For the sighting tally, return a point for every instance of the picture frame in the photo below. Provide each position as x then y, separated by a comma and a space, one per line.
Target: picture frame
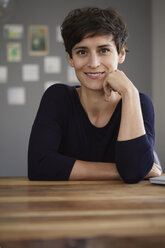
14, 52
38, 40
13, 31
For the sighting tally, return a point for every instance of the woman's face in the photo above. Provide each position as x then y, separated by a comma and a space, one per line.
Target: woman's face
93, 58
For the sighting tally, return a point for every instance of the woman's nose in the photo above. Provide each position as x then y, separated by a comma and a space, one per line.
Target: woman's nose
93, 61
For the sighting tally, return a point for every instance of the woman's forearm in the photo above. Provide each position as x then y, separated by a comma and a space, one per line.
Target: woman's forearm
131, 125
83, 170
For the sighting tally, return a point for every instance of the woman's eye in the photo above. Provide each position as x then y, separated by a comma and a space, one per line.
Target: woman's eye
104, 50
81, 52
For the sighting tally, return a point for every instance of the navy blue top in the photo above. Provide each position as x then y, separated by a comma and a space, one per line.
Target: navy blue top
62, 134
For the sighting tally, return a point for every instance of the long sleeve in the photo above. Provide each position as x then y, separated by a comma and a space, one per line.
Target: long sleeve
135, 158
45, 162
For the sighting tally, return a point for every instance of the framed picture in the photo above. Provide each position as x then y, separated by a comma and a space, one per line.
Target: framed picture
38, 40
13, 31
14, 52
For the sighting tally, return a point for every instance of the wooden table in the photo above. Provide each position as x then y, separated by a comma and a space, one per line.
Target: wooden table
88, 214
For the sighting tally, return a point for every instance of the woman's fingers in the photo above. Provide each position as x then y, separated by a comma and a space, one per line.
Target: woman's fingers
107, 91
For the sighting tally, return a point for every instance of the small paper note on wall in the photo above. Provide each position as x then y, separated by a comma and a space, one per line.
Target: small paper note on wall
30, 72
16, 96
52, 64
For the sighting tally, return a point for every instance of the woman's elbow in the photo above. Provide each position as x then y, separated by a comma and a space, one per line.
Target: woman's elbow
132, 179
133, 174
32, 175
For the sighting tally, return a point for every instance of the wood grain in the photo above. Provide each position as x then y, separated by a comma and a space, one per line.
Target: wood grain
90, 214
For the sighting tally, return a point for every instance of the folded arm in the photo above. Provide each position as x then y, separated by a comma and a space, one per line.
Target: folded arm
135, 142
45, 162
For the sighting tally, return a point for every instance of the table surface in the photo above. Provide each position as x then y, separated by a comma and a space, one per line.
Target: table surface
90, 214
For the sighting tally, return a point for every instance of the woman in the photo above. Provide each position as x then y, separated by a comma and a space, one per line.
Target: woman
103, 129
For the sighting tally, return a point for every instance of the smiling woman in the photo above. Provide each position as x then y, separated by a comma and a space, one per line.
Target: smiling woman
103, 129
94, 58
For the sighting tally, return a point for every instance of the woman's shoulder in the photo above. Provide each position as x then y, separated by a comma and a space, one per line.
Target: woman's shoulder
59, 89
59, 93
56, 101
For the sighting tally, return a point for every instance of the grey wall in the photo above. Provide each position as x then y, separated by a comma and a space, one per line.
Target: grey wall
158, 74
16, 121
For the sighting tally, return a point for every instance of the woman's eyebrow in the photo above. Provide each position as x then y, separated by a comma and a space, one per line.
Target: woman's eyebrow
80, 47
105, 45
84, 47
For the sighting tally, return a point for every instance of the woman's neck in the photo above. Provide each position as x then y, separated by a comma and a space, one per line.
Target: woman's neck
98, 110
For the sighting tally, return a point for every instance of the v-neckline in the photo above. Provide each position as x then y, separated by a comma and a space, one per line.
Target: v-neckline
86, 116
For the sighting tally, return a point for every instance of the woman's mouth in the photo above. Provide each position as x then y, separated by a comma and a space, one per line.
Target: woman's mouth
95, 75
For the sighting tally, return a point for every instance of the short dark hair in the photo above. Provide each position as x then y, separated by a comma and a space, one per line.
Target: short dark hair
92, 21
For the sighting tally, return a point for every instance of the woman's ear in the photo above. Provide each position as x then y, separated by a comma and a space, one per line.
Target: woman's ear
122, 55
70, 60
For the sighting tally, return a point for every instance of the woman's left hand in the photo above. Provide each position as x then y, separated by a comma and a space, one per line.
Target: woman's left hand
116, 81
156, 171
